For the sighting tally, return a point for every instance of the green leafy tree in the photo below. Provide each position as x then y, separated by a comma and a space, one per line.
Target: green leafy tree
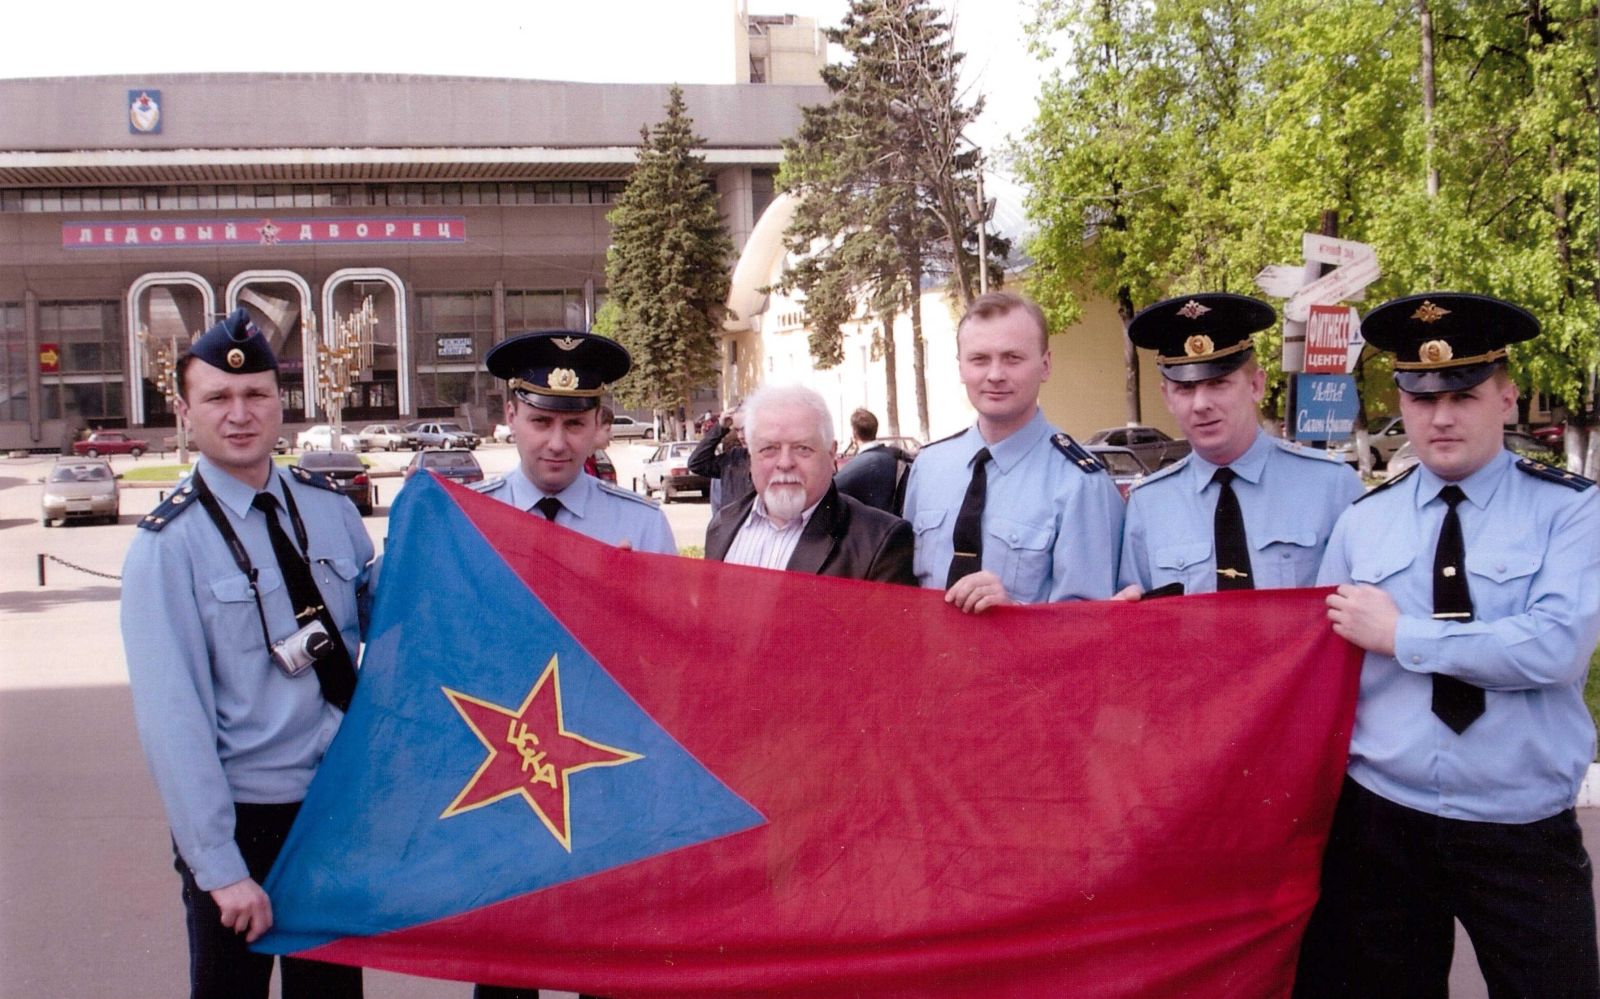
667, 267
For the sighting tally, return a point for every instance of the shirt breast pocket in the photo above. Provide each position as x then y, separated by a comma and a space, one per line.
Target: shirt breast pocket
926, 526
1507, 573
234, 604
1288, 558
336, 582
1187, 562
1028, 550
1376, 563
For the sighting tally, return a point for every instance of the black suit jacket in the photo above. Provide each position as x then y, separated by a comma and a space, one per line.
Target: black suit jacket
844, 537
874, 477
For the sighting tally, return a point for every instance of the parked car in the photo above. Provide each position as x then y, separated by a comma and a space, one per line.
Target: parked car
436, 433
605, 469
110, 442
347, 471
1384, 438
625, 428
910, 445
1551, 435
81, 489
320, 438
1520, 441
503, 434
381, 437
1154, 448
459, 466
667, 470
1124, 465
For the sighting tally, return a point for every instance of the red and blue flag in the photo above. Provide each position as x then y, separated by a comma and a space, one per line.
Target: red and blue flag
573, 766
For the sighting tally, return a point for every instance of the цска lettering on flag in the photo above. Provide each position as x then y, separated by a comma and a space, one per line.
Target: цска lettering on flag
577, 767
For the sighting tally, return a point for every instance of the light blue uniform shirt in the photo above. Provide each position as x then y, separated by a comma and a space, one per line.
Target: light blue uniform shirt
593, 508
220, 721
1289, 497
1533, 569
1050, 528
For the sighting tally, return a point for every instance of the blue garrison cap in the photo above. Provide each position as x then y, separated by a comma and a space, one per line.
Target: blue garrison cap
1202, 336
235, 345
1446, 341
559, 369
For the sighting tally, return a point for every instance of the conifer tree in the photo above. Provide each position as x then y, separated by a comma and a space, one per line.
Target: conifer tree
667, 267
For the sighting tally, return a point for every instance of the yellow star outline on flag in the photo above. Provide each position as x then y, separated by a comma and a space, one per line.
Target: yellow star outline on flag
531, 753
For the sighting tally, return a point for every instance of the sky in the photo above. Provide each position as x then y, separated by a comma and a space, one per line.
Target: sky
611, 41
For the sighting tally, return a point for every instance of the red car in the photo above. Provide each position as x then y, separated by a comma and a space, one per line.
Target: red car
110, 442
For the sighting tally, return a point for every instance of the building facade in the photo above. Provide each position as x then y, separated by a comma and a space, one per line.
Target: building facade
134, 211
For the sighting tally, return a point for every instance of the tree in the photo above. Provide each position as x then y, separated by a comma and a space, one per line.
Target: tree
667, 267
883, 179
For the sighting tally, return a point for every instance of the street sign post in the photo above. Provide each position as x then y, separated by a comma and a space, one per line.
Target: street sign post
1325, 407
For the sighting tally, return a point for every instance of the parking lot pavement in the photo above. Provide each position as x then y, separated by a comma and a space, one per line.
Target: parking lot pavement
88, 898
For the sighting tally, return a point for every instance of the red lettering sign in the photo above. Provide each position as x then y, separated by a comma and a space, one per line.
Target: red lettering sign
1328, 339
260, 232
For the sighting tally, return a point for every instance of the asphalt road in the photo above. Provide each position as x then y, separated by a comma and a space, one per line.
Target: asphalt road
88, 899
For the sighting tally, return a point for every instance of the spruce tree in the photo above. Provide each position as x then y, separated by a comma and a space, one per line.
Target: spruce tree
667, 267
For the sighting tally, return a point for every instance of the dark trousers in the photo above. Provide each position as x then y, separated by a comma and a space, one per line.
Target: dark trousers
221, 966
1394, 880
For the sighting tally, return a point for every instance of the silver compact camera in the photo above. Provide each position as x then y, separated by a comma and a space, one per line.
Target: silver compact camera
301, 650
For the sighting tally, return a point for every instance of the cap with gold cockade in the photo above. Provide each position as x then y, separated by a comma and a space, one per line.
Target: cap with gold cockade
559, 369
234, 345
1201, 336
1446, 341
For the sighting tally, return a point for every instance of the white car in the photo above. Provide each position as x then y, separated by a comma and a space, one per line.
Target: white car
667, 472
320, 438
381, 437
625, 428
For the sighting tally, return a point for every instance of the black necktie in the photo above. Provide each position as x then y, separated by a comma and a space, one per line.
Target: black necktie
336, 674
1456, 702
549, 506
1233, 551
968, 534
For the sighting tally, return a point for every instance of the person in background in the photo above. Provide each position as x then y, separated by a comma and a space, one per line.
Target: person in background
877, 474
722, 457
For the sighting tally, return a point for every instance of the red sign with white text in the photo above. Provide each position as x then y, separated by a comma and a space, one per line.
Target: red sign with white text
1328, 338
260, 232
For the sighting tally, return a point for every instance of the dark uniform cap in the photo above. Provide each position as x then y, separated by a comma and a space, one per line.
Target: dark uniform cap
559, 369
235, 345
1446, 341
1198, 337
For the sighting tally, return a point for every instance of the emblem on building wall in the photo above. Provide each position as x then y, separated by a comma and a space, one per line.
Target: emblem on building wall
144, 111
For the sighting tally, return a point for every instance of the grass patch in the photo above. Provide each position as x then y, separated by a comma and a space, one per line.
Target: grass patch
172, 473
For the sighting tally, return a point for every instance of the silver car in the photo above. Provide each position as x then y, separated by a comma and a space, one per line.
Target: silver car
81, 489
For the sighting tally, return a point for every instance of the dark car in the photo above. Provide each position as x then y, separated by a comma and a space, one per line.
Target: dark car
346, 471
110, 442
1125, 467
1154, 448
459, 466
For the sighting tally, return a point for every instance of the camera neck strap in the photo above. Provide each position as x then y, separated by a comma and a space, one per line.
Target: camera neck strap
336, 674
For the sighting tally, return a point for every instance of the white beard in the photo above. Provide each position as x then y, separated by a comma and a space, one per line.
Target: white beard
785, 501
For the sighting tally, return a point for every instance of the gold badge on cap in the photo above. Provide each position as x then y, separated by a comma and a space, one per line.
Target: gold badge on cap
236, 358
1435, 352
1430, 313
562, 379
566, 342
1198, 345
1194, 310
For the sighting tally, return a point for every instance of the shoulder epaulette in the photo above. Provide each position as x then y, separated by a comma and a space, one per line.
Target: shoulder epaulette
1076, 453
1165, 471
1550, 473
488, 486
310, 478
625, 493
1380, 487
180, 499
942, 440
1301, 451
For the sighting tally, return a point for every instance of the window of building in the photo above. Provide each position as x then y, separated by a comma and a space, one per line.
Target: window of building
762, 184
88, 337
758, 69
14, 363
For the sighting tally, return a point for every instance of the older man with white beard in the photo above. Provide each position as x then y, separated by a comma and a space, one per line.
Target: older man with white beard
796, 519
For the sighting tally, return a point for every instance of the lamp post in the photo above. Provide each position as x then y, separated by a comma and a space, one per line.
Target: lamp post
160, 367
981, 210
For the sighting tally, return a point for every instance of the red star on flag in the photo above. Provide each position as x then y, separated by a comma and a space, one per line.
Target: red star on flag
531, 753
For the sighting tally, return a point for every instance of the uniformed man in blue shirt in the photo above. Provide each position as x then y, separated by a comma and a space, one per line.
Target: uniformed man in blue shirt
240, 622
556, 380
1266, 506
1011, 510
1473, 583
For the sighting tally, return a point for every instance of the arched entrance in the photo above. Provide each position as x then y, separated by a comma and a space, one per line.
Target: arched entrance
164, 309
279, 302
382, 391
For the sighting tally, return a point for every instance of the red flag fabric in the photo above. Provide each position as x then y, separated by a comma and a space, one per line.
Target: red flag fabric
1102, 799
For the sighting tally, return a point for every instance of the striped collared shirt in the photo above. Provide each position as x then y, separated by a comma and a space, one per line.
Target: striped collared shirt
762, 543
